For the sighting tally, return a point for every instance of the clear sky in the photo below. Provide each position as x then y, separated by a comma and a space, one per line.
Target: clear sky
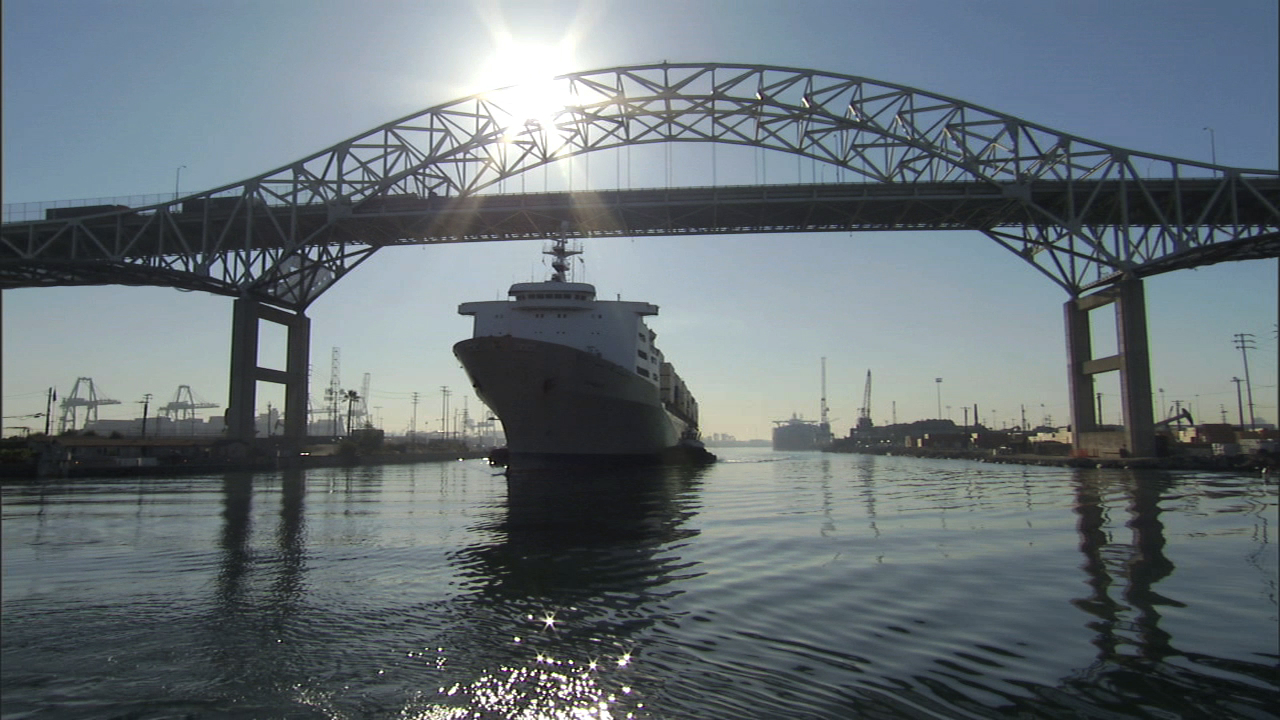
111, 98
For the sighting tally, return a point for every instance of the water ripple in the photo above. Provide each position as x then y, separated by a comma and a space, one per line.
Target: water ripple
796, 585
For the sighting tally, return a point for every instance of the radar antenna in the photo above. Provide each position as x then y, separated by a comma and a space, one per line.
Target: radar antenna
561, 253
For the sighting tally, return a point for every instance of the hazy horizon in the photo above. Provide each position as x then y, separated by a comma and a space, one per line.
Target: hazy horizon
116, 99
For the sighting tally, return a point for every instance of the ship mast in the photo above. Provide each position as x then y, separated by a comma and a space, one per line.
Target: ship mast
560, 253
825, 421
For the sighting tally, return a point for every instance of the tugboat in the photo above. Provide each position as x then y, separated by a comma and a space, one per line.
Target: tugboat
575, 378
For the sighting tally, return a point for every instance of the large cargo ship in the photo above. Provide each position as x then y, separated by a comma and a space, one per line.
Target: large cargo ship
799, 434
573, 377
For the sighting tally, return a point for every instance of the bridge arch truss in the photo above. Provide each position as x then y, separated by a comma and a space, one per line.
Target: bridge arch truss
1080, 212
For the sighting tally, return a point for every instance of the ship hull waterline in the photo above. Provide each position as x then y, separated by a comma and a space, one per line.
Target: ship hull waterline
558, 403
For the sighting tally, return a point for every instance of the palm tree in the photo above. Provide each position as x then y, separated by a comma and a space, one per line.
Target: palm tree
352, 398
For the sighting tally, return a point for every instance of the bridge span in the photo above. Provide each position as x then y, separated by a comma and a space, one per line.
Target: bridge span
1078, 211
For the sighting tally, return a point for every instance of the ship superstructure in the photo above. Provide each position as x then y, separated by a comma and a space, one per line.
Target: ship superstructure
569, 374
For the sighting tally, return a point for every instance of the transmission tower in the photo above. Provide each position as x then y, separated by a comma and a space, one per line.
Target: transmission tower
333, 395
74, 401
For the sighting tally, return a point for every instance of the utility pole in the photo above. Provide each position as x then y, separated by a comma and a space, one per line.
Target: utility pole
413, 426
1239, 402
1244, 341
1100, 422
48, 409
146, 403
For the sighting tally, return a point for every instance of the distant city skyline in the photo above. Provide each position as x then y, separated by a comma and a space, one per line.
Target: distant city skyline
209, 94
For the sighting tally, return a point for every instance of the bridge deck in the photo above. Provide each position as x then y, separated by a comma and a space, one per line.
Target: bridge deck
120, 245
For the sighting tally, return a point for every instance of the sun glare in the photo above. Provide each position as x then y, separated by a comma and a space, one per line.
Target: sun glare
523, 78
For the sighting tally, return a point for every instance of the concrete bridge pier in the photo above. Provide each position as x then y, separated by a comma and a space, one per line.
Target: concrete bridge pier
1132, 360
245, 372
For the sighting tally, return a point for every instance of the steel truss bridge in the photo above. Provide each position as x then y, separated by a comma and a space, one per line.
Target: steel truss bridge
1080, 212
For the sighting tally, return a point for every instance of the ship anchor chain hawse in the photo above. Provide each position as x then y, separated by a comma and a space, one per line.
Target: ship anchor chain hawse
574, 379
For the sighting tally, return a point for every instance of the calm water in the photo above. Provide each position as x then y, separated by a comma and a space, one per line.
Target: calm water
770, 585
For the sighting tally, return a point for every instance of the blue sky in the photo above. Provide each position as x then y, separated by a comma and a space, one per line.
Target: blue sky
107, 99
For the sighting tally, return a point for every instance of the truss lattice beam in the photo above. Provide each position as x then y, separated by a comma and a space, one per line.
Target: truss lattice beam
1077, 210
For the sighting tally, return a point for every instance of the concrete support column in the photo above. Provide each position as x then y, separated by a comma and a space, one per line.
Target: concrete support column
296, 390
1132, 361
1079, 383
245, 372
1135, 367
244, 365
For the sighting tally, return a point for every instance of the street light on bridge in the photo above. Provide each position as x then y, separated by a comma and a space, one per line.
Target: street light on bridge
1213, 149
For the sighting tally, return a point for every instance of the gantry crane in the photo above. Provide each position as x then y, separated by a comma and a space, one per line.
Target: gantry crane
184, 406
90, 403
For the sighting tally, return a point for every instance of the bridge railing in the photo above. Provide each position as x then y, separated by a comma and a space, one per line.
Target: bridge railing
24, 212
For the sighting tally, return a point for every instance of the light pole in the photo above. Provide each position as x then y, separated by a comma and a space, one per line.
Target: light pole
1213, 149
177, 177
1239, 401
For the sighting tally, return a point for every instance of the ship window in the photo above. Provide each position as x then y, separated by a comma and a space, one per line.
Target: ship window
643, 354
642, 371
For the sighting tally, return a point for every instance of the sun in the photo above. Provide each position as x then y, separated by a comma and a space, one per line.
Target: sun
522, 76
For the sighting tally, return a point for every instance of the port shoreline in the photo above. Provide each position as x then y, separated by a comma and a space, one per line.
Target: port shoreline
1261, 461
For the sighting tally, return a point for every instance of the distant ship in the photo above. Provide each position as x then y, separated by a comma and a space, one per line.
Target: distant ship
573, 377
798, 434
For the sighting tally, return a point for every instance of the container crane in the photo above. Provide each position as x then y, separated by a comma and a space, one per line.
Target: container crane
864, 412
184, 406
90, 403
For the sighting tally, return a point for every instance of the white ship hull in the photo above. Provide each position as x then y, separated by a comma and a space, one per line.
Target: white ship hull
556, 400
